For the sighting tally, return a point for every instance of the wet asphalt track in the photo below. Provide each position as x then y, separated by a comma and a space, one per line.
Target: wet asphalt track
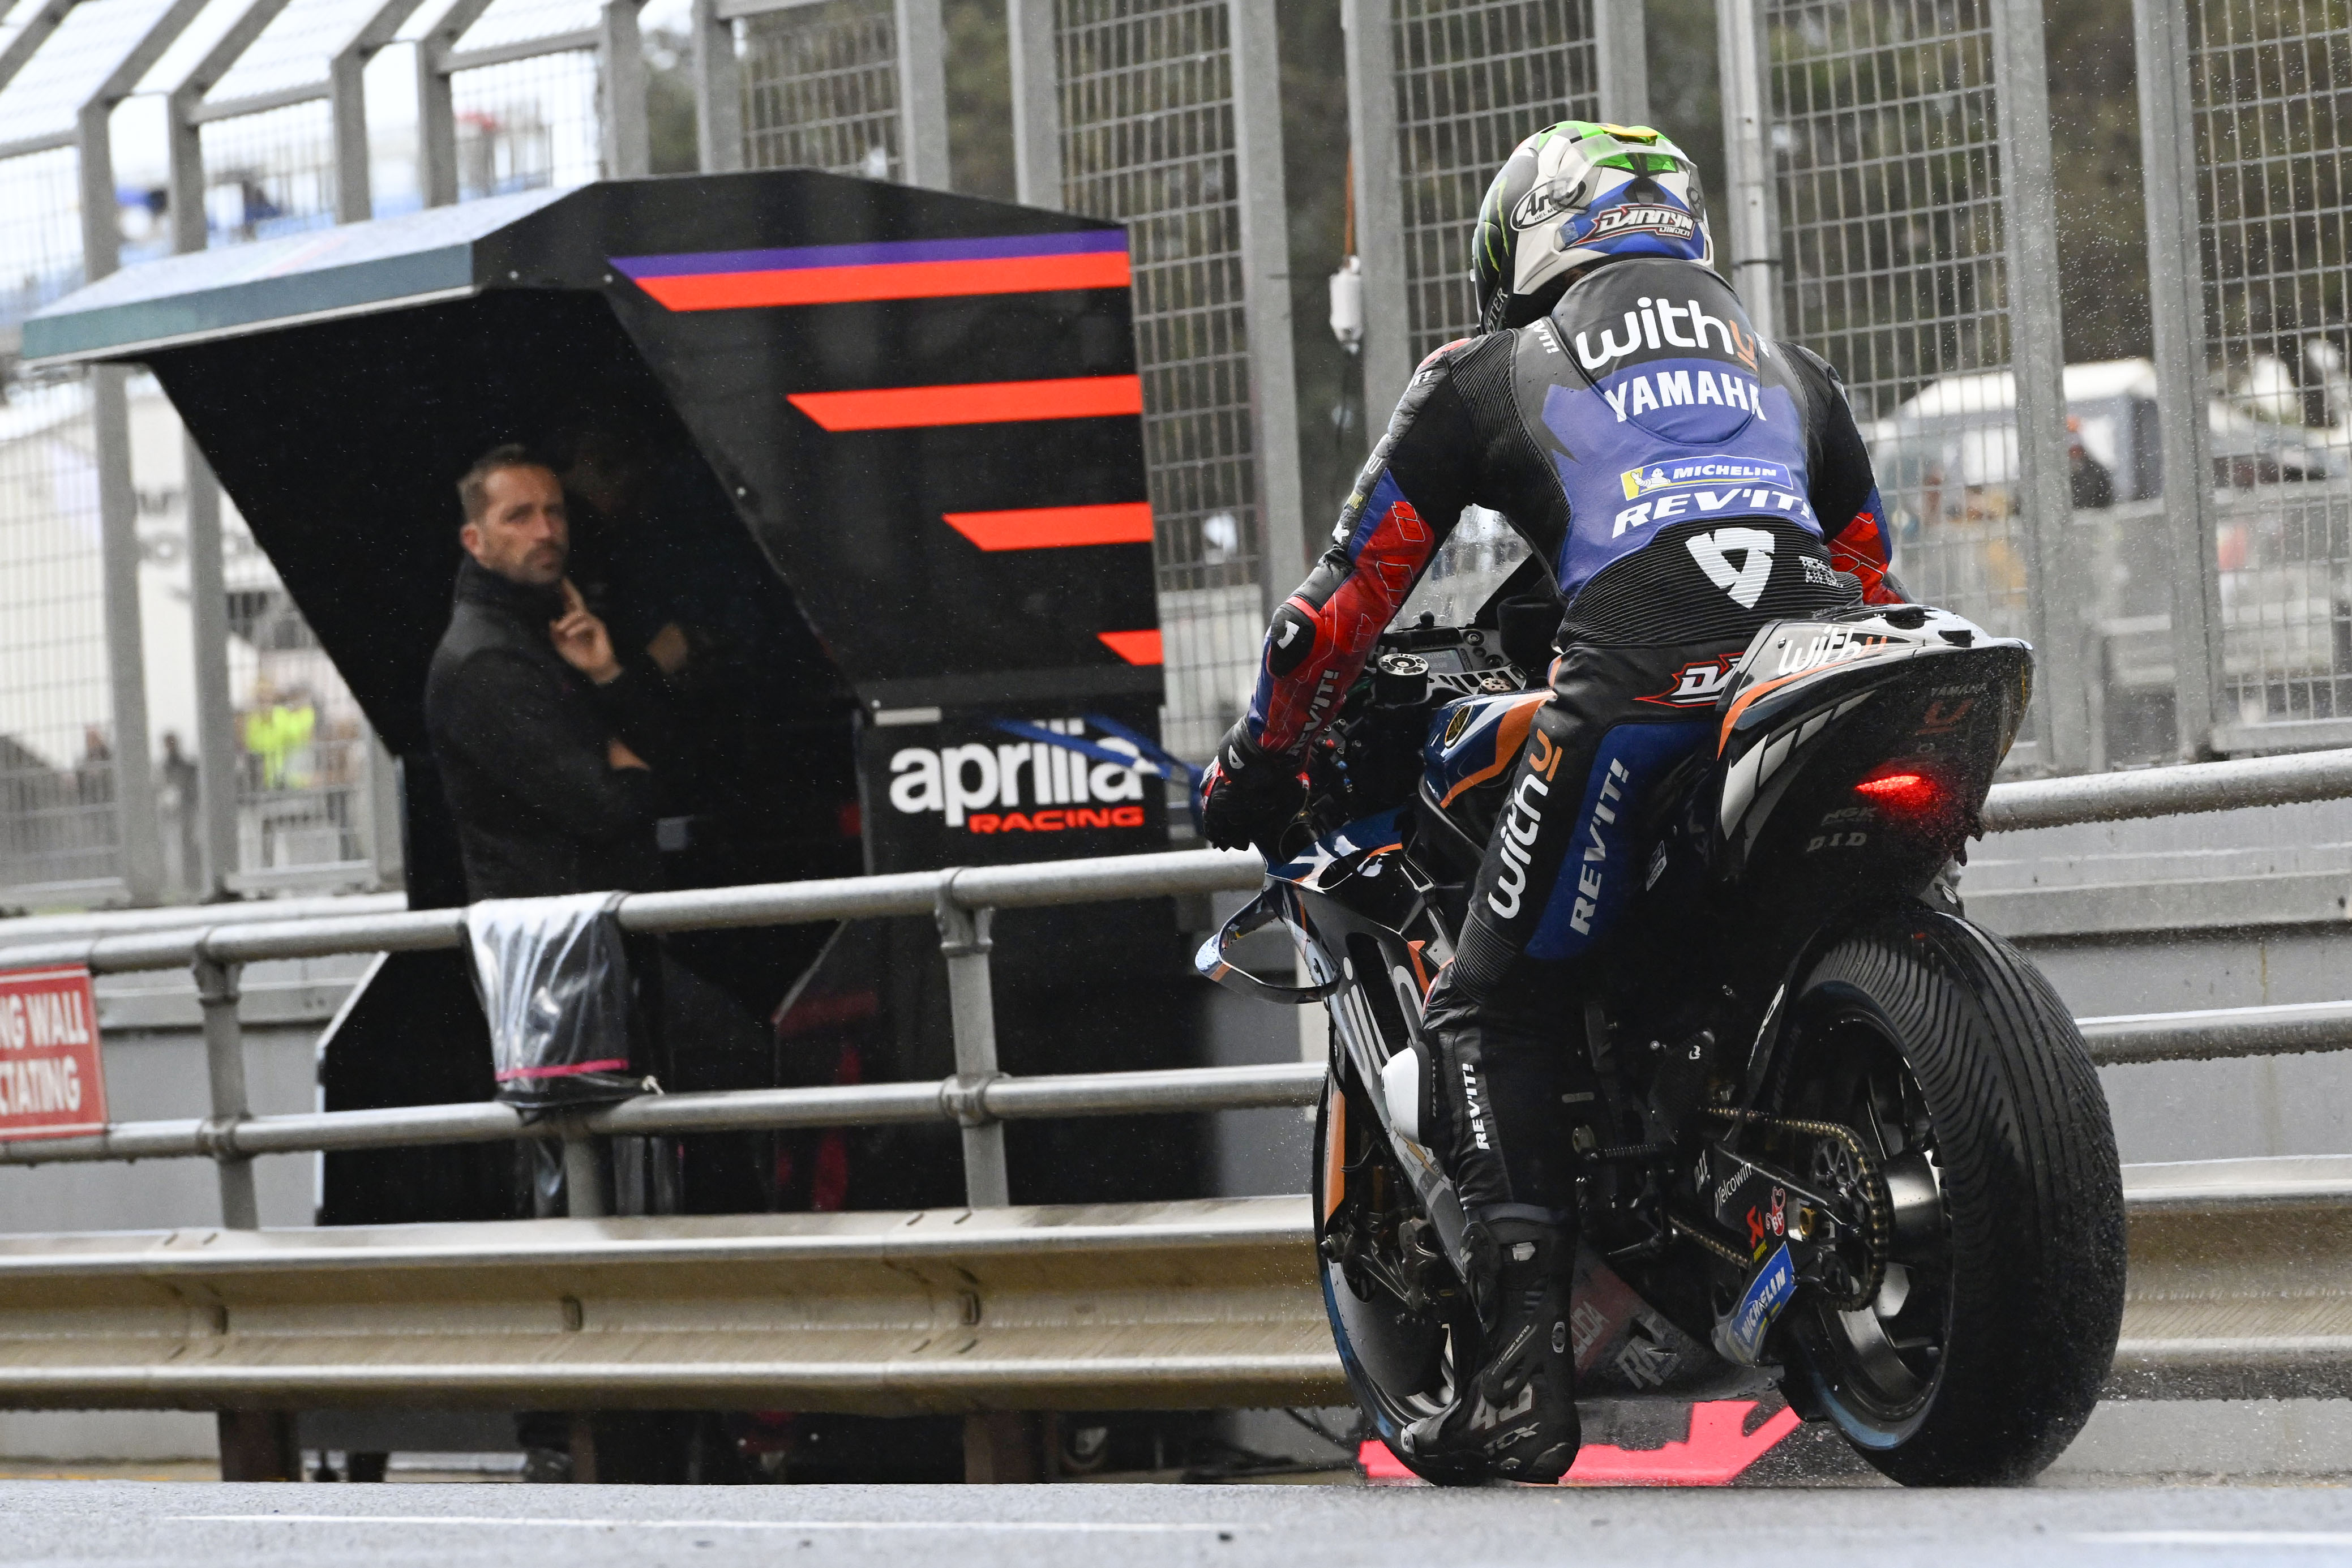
119, 1523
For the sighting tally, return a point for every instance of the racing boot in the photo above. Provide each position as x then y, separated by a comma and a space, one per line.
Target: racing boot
1514, 1418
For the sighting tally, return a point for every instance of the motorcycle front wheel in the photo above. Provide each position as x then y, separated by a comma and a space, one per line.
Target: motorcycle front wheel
1982, 1353
1398, 1318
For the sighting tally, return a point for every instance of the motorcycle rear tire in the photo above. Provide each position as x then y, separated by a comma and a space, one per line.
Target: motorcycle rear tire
2031, 1198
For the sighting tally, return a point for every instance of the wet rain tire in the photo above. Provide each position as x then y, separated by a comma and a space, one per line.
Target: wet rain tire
2032, 1199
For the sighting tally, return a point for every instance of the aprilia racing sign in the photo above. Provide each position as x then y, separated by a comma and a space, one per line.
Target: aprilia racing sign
1006, 786
51, 1082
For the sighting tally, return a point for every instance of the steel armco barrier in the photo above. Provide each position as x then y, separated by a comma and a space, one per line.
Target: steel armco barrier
979, 1097
2241, 1287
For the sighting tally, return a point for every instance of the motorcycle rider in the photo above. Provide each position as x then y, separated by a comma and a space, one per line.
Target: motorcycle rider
1686, 481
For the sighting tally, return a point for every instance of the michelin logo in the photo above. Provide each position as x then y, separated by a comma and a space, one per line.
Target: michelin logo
1719, 470
1741, 1336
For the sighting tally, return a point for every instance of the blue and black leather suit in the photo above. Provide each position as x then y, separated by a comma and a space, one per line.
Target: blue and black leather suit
1688, 481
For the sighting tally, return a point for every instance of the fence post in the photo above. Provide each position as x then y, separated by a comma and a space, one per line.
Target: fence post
215, 738
971, 1016
2037, 360
717, 92
583, 1173
1621, 61
216, 994
1264, 211
436, 110
140, 832
2176, 288
217, 750
1036, 103
347, 107
922, 95
259, 1445
626, 147
1747, 156
1380, 210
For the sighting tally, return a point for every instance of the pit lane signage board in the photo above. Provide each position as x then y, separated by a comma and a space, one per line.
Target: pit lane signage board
52, 1082
978, 786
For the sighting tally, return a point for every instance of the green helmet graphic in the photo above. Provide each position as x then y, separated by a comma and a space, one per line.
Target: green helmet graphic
1576, 194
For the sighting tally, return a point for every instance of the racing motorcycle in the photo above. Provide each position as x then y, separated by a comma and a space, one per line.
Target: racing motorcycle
1843, 1142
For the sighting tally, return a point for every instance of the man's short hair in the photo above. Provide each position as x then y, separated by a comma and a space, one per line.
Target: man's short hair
474, 485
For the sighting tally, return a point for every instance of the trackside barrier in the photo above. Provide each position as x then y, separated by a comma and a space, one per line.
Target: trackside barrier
979, 1097
2240, 1287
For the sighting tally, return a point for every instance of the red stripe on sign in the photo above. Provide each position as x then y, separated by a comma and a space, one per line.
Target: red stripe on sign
894, 280
1135, 647
976, 403
1055, 527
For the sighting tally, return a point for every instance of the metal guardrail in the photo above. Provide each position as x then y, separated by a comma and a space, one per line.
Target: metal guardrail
979, 1097
2169, 792
2240, 1287
1173, 1306
2240, 1281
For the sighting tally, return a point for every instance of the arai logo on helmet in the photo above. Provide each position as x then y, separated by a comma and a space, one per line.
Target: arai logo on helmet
1616, 223
1547, 201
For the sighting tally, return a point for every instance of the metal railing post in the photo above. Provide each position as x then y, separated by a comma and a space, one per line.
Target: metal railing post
216, 995
626, 150
717, 92
215, 737
922, 95
583, 1173
971, 1016
140, 831
1265, 213
1036, 103
1621, 61
2037, 358
1379, 209
436, 110
1746, 112
347, 109
2175, 292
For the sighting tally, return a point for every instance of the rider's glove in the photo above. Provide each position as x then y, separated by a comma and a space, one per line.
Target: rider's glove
1247, 797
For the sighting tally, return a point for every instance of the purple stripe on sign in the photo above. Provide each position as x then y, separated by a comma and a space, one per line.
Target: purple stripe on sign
883, 253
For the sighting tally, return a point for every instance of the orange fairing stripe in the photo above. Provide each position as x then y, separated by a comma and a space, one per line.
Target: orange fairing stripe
1510, 734
1335, 1148
1739, 704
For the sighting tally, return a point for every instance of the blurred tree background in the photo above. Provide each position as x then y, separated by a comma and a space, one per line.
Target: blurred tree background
2093, 114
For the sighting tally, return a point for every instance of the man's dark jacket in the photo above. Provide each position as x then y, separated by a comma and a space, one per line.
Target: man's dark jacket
519, 739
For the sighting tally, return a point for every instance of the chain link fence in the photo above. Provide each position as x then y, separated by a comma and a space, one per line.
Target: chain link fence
1147, 137
57, 827
821, 89
1884, 122
2272, 87
531, 124
1474, 78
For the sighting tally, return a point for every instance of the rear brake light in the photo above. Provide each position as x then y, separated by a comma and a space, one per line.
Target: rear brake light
1905, 793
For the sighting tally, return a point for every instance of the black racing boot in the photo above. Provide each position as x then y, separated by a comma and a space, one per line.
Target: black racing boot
1515, 1417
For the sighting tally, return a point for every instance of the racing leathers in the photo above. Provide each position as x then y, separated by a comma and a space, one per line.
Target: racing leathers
1686, 481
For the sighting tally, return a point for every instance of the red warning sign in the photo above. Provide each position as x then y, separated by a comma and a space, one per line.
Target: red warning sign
51, 1085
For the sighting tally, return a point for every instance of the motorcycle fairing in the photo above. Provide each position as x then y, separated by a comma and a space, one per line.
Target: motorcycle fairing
1478, 739
1802, 685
